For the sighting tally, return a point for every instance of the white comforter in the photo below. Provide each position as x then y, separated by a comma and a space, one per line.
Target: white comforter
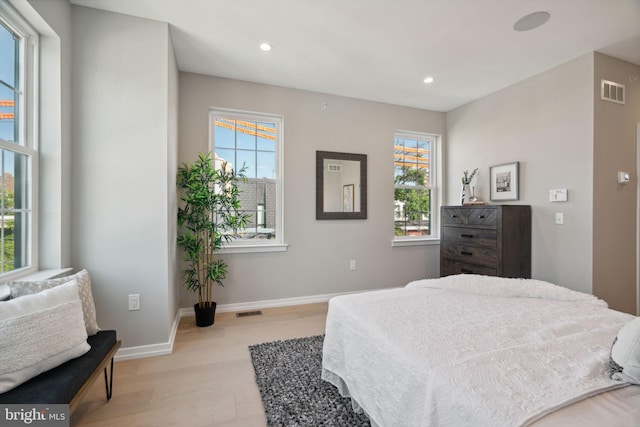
468, 351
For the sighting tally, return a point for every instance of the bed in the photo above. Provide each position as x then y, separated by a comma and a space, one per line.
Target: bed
470, 350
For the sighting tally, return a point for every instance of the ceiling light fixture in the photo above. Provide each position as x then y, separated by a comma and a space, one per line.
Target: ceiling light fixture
266, 46
531, 21
429, 79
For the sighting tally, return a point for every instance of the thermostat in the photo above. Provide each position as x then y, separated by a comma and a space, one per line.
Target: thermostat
559, 195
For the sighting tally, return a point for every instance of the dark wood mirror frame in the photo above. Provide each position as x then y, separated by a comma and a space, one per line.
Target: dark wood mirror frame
320, 212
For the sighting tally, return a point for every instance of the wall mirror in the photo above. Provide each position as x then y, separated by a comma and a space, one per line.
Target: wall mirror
341, 185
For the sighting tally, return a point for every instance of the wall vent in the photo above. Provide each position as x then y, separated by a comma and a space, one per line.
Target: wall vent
611, 91
334, 167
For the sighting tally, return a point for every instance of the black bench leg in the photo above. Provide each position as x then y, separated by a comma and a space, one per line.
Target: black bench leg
108, 383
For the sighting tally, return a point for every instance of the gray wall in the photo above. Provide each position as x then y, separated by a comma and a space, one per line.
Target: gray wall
614, 205
317, 260
124, 147
545, 123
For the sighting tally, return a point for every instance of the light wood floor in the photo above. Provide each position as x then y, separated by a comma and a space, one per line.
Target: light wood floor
207, 381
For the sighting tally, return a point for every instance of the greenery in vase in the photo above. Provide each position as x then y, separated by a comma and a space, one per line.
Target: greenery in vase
209, 217
466, 177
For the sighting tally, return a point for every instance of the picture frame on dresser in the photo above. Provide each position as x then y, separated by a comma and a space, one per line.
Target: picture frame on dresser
505, 182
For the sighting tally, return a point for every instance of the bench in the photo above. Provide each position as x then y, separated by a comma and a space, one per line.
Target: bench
69, 382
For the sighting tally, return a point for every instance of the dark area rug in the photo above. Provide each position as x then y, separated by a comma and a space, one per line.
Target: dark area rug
293, 394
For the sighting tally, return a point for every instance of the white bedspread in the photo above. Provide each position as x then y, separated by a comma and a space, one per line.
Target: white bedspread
469, 351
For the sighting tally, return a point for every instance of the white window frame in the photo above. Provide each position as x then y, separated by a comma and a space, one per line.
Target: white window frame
28, 135
249, 246
434, 186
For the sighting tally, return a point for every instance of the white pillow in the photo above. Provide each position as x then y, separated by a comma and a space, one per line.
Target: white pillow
19, 289
39, 332
625, 353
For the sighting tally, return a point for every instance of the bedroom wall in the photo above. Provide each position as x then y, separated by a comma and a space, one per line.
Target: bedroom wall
317, 260
124, 139
614, 205
545, 123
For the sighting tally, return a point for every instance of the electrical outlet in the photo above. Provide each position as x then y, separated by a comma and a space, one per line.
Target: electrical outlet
134, 302
352, 265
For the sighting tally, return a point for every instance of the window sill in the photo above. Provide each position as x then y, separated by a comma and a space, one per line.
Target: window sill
247, 249
32, 277
416, 242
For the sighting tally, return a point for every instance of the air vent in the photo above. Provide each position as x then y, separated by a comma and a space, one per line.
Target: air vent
611, 91
334, 167
249, 313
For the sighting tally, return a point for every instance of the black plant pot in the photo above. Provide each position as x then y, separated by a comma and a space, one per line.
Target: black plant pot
205, 315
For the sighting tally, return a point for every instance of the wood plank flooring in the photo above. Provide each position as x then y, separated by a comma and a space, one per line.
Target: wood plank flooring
207, 381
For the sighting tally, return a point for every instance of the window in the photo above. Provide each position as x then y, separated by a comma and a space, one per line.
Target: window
252, 142
18, 44
415, 192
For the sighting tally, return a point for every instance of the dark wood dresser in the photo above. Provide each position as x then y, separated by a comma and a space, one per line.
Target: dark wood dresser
494, 240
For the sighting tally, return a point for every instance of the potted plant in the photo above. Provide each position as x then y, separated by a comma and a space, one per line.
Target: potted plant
208, 218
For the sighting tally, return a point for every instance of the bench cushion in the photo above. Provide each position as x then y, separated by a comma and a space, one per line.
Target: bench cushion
60, 384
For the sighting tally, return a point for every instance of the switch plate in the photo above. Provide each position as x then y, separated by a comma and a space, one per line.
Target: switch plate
558, 195
134, 302
559, 218
352, 265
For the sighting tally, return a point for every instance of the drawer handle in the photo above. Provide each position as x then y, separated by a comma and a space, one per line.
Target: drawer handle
469, 236
466, 270
481, 216
454, 216
466, 253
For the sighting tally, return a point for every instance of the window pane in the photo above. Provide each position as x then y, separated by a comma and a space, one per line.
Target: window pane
412, 212
247, 159
245, 135
8, 52
266, 137
266, 165
224, 133
13, 210
224, 155
8, 128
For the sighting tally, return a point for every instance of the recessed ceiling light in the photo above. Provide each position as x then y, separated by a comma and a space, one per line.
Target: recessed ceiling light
531, 21
429, 79
266, 46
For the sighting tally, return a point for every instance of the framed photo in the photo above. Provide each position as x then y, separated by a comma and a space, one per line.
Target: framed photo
504, 182
347, 198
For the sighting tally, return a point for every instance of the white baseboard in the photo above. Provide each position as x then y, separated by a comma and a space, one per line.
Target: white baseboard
167, 348
271, 303
161, 349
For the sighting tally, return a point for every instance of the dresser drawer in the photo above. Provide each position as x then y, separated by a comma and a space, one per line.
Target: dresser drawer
487, 217
478, 255
456, 267
470, 236
483, 216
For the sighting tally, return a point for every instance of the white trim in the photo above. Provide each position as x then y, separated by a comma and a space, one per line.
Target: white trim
415, 242
151, 350
245, 249
273, 303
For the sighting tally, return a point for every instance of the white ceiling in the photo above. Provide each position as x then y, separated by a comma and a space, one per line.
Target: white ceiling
381, 50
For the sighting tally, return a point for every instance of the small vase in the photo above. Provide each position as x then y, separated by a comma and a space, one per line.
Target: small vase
464, 194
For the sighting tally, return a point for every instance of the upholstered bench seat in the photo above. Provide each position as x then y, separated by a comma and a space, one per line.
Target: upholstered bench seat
68, 382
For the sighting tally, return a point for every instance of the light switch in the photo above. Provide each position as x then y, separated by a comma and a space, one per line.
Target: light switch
559, 218
558, 195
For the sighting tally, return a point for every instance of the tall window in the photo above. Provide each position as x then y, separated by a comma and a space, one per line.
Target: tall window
415, 200
252, 143
18, 44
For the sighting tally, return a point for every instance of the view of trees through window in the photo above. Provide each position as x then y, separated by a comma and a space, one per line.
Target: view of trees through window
412, 176
14, 209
